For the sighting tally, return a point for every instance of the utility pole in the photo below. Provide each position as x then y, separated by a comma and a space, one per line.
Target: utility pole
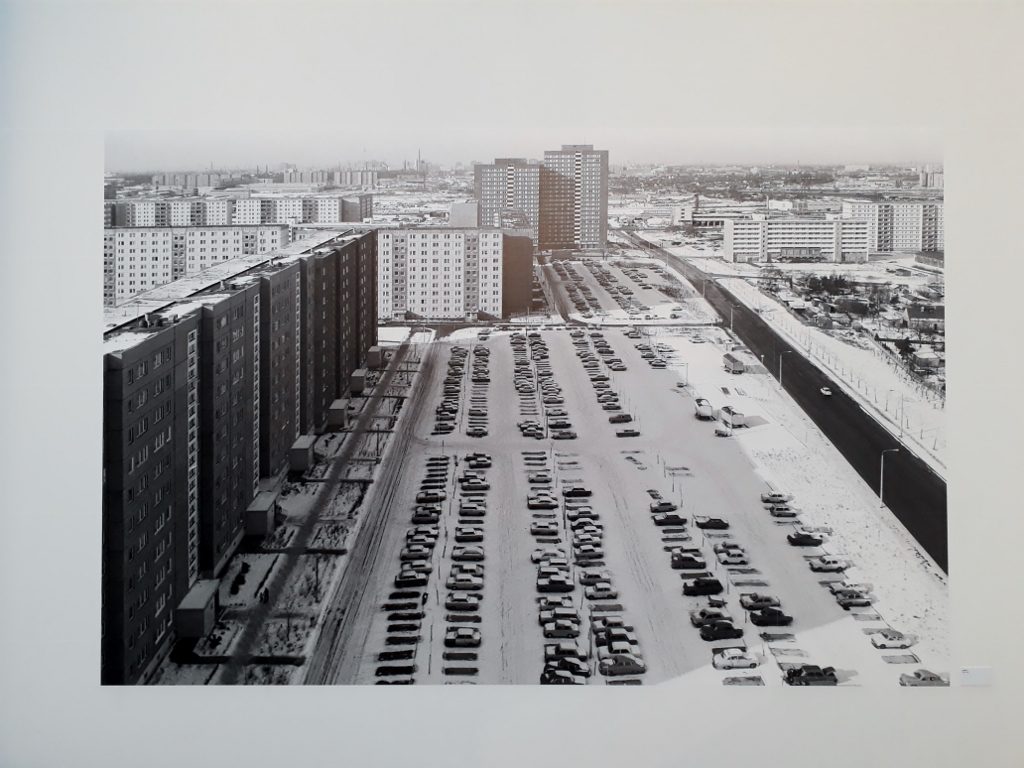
881, 475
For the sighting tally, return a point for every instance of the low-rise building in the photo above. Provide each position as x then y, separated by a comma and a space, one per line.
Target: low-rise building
926, 317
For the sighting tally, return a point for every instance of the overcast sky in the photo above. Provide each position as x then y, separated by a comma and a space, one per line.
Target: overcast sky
651, 82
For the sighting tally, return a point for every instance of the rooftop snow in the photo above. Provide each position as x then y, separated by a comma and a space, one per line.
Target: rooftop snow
165, 295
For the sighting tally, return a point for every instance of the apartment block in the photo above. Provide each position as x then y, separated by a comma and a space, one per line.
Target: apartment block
574, 198
901, 225
789, 238
137, 259
208, 380
449, 273
509, 186
150, 490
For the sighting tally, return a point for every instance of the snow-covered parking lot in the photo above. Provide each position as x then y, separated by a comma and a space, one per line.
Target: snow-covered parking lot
676, 458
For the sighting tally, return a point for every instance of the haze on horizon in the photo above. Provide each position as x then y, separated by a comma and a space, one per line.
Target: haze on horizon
163, 150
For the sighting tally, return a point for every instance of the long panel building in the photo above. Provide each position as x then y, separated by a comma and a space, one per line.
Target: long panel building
208, 382
778, 239
137, 259
901, 225
252, 209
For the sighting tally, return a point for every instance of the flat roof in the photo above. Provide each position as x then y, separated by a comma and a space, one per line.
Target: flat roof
197, 598
164, 297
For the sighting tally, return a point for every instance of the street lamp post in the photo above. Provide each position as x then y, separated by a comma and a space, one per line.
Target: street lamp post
783, 352
881, 475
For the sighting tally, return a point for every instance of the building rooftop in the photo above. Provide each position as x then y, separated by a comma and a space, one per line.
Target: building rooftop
172, 298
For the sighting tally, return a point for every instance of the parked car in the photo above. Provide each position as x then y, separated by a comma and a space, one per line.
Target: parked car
462, 601
720, 630
622, 664
827, 564
755, 601
540, 555
810, 674
922, 678
702, 585
701, 616
804, 539
852, 598
734, 658
663, 506
551, 676
669, 519
562, 628
462, 637
770, 616
891, 639
710, 523
775, 497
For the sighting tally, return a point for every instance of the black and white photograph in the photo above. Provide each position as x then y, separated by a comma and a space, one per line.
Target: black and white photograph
561, 421
481, 348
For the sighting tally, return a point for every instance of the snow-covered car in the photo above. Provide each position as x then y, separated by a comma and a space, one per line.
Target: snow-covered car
563, 650
775, 497
462, 637
467, 554
462, 601
539, 555
476, 432
852, 598
732, 557
410, 579
543, 529
587, 552
622, 664
414, 552
922, 678
582, 513
734, 658
569, 664
562, 629
548, 584
559, 613
755, 601
781, 510
463, 582
420, 566
701, 616
467, 534
603, 590
590, 576
827, 564
825, 392
541, 502
891, 639
547, 603
538, 477
563, 434
710, 523
627, 433
663, 506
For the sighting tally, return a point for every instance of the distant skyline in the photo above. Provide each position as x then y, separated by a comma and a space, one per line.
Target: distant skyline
160, 150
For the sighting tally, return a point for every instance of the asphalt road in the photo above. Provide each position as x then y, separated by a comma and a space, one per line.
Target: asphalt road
914, 493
